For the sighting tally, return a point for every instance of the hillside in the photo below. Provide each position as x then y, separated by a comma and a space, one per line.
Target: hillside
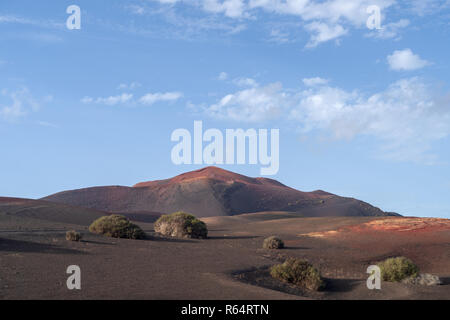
213, 192
29, 213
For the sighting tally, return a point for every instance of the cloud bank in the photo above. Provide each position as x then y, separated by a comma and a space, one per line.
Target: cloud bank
406, 118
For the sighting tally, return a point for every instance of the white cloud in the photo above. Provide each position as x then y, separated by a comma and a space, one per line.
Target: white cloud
151, 98
223, 76
325, 20
180, 25
47, 124
322, 32
245, 82
405, 119
26, 21
405, 60
131, 86
136, 9
230, 8
240, 82
167, 1
317, 81
390, 30
279, 36
254, 104
87, 100
129, 100
423, 7
114, 100
20, 103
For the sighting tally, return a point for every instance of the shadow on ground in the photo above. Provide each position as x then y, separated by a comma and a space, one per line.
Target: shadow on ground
261, 277
232, 237
167, 239
296, 248
341, 285
97, 242
445, 281
10, 245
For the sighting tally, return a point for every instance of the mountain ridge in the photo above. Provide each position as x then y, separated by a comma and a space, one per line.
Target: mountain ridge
213, 191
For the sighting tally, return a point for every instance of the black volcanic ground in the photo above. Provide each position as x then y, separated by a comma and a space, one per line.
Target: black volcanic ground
230, 264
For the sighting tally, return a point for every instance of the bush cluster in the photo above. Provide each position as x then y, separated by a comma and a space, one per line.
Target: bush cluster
397, 269
273, 242
181, 224
298, 272
116, 226
72, 235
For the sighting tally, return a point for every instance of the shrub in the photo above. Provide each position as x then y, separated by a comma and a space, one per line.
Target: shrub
72, 235
273, 243
116, 226
423, 279
298, 272
181, 224
397, 269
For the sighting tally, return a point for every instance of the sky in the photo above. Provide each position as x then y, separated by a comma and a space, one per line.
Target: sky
362, 112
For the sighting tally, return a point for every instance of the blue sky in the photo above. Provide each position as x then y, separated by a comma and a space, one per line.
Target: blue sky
362, 113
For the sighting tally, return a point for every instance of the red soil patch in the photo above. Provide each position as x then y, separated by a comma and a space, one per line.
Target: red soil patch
206, 173
396, 225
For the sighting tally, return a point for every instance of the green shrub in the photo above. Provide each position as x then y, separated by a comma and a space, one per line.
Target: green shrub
273, 243
116, 226
298, 272
397, 269
181, 224
72, 235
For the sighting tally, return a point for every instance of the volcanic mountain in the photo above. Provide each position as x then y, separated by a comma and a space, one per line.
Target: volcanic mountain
212, 191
